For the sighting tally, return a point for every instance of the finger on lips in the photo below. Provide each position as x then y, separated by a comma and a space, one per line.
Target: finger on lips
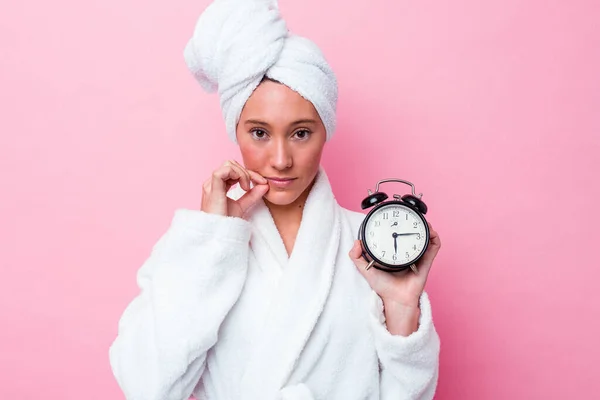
250, 176
257, 178
223, 178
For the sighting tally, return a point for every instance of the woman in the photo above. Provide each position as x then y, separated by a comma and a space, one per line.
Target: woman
262, 293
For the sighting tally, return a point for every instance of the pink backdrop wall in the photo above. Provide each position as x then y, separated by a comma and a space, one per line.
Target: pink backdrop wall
490, 108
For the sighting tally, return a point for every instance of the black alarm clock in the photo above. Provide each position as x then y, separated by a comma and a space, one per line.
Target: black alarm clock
394, 234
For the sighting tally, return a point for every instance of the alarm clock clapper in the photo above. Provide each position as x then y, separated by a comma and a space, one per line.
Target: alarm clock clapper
394, 234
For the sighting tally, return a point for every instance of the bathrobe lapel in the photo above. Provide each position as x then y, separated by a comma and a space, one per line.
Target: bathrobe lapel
267, 245
302, 290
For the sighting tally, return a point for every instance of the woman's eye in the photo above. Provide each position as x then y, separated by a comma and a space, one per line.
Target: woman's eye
259, 133
302, 134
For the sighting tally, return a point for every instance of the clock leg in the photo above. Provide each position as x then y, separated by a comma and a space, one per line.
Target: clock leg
414, 268
369, 265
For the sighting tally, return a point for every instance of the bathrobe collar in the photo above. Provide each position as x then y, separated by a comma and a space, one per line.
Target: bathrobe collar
293, 312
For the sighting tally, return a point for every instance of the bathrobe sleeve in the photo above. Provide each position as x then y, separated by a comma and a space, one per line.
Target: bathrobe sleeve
191, 279
409, 365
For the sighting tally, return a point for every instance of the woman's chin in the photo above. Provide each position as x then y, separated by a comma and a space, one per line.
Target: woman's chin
281, 197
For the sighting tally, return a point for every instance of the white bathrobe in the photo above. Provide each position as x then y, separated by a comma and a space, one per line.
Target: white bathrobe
223, 313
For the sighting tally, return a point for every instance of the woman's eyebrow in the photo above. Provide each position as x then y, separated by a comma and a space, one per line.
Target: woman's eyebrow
266, 124
256, 122
304, 121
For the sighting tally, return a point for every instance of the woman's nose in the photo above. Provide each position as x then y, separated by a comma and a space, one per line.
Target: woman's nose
281, 157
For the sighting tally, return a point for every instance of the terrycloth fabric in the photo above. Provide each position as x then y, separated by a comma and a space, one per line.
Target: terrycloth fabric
224, 313
236, 43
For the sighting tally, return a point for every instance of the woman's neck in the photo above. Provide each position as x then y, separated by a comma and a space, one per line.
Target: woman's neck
288, 217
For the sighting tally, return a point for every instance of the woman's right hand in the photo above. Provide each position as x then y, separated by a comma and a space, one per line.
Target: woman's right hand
214, 190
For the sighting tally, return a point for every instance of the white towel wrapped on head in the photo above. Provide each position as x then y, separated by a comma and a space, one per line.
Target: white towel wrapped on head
236, 43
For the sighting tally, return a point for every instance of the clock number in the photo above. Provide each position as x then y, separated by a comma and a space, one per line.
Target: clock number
418, 236
377, 223
394, 257
396, 213
371, 233
385, 215
407, 255
414, 246
374, 245
407, 217
383, 253
414, 224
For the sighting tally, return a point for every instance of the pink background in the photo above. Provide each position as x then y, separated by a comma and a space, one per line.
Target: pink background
490, 107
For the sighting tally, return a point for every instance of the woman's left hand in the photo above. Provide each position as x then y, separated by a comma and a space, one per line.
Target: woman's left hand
399, 288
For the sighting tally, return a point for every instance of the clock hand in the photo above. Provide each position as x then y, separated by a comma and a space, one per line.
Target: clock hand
406, 234
395, 236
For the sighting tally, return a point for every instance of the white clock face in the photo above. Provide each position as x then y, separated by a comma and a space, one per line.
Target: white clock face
395, 234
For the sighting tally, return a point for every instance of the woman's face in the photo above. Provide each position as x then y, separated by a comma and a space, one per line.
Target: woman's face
281, 136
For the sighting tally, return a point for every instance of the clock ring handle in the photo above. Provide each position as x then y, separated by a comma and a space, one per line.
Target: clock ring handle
398, 180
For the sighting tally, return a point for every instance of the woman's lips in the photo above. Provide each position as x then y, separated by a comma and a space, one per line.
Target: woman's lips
280, 182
